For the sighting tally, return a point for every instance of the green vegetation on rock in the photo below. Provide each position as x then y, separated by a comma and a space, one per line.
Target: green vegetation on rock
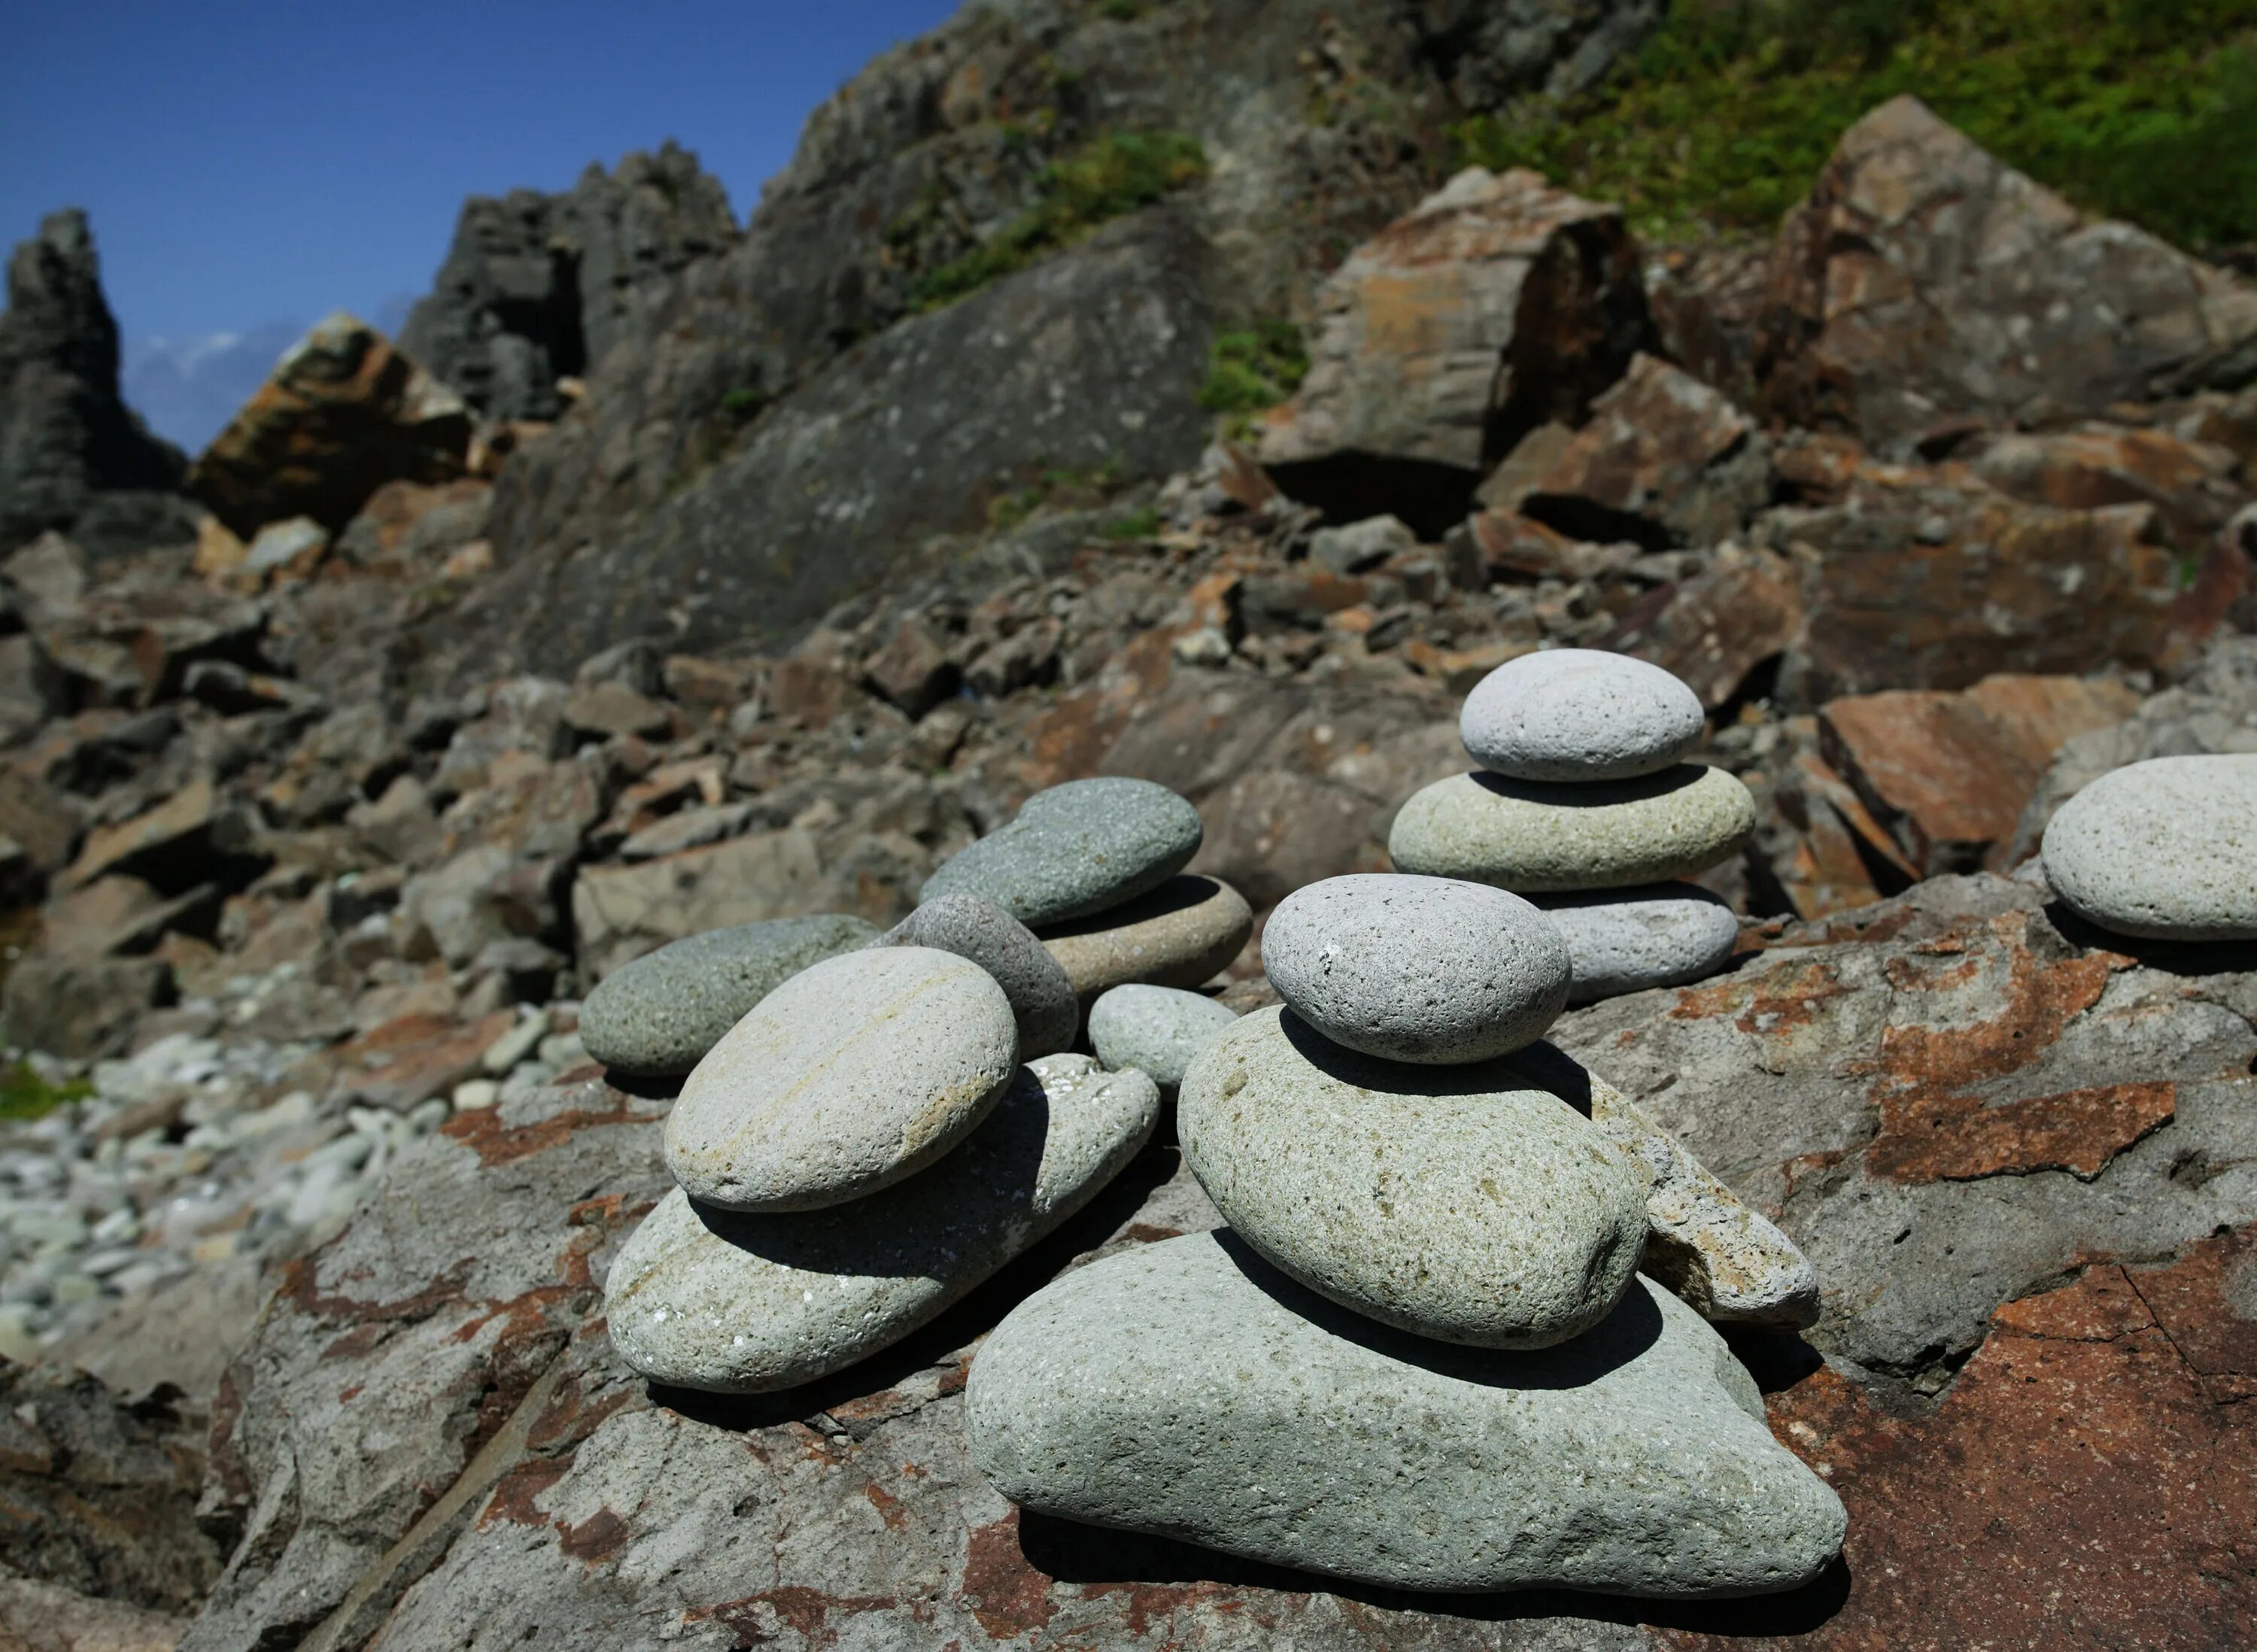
1113, 173
24, 1095
2143, 110
1251, 370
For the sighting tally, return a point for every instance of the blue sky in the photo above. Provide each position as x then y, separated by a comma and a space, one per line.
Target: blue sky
246, 165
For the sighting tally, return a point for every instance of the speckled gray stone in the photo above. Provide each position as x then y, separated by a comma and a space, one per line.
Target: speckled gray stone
1634, 1460
1653, 935
659, 1015
1458, 1202
1158, 1030
2164, 850
1535, 836
1579, 714
1424, 970
1041, 997
1076, 849
738, 1303
1182, 934
1725, 1258
853, 1074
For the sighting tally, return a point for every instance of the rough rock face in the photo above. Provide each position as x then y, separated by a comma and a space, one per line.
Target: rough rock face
1966, 1107
343, 413
1925, 280
1496, 305
71, 454
537, 287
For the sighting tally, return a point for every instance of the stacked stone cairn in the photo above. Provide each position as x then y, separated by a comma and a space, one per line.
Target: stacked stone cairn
1422, 1354
1585, 805
874, 1124
2162, 850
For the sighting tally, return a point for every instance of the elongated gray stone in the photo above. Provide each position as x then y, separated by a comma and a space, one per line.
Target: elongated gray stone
1041, 997
1653, 935
1727, 1259
1579, 714
1076, 849
1428, 970
853, 1074
1159, 1030
1459, 1203
1182, 934
1536, 835
1632, 1460
734, 1302
2164, 850
657, 1016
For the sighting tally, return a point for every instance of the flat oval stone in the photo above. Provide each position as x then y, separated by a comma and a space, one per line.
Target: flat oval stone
659, 1015
853, 1074
1182, 934
1076, 849
736, 1302
1655, 935
1579, 714
1159, 1030
1534, 835
1458, 1202
2164, 850
1416, 969
1041, 996
1184, 1388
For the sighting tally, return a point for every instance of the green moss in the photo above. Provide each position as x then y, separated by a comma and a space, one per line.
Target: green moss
1251, 370
1137, 524
1063, 486
742, 405
2144, 109
24, 1094
1113, 173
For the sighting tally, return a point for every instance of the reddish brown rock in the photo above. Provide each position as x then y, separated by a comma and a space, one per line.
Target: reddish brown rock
1717, 628
913, 670
2191, 485
1947, 775
343, 413
1493, 305
1665, 460
1924, 280
1505, 544
414, 1057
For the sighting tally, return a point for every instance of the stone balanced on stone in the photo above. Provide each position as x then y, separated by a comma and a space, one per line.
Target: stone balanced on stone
1096, 869
1584, 804
2164, 851
1420, 1355
853, 1155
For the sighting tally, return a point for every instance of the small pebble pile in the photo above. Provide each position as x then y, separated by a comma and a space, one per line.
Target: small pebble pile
2162, 850
1585, 805
1420, 1355
890, 1118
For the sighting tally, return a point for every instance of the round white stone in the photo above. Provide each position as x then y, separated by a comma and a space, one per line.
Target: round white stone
1627, 939
1579, 714
1416, 969
2164, 850
1159, 1030
853, 1074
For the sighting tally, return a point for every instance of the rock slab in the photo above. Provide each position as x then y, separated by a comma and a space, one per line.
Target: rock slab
658, 1015
734, 1302
1075, 850
1579, 714
1537, 838
1634, 1460
1041, 997
855, 1073
1158, 1030
2165, 850
1426, 970
1456, 1203
1627, 939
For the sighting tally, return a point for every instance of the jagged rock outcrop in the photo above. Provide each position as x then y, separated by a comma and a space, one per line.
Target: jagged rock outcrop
72, 454
1926, 282
1317, 122
537, 286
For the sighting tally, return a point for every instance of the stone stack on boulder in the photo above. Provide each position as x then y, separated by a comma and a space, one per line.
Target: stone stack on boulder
1421, 1355
855, 1154
1096, 869
2162, 850
1584, 803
